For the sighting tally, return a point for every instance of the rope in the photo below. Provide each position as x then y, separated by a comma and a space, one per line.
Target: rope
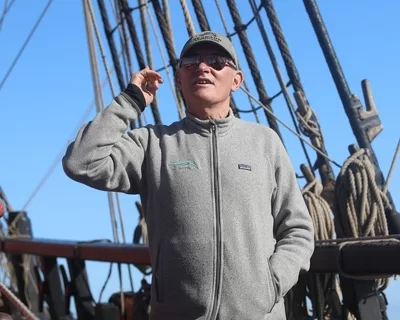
109, 35
89, 8
188, 19
174, 92
282, 44
309, 124
169, 44
154, 104
393, 164
17, 303
290, 129
253, 108
278, 75
321, 286
359, 203
201, 15
10, 69
7, 8
126, 60
167, 19
133, 33
252, 64
319, 209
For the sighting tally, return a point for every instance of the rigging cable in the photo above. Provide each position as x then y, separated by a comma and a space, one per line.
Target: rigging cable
188, 19
241, 30
139, 55
308, 121
111, 202
290, 129
7, 8
393, 164
169, 44
149, 56
3, 81
126, 57
201, 15
109, 35
175, 93
253, 108
278, 74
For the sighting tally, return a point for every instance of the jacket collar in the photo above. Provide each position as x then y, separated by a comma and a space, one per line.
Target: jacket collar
205, 126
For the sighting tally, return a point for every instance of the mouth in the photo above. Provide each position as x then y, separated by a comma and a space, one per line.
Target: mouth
202, 82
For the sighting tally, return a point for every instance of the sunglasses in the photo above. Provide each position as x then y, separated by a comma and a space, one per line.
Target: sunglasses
214, 61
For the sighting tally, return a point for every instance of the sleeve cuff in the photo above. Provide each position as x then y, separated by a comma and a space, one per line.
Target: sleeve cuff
136, 95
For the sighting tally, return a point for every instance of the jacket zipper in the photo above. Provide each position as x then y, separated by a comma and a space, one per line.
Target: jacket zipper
218, 270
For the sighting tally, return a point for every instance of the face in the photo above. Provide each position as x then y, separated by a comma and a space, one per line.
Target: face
205, 86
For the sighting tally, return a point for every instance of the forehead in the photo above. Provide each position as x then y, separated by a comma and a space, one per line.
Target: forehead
208, 48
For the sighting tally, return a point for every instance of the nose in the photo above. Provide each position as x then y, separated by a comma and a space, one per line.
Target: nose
202, 67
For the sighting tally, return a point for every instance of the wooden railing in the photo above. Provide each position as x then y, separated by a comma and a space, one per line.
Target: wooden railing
367, 255
377, 256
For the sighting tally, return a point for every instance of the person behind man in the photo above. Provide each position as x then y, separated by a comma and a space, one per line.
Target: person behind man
228, 229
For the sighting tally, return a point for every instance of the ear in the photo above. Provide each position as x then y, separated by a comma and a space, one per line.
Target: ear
237, 80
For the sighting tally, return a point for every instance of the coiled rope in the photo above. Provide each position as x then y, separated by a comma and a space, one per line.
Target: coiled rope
360, 205
362, 213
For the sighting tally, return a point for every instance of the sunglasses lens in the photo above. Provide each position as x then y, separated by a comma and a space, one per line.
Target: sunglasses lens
189, 62
215, 62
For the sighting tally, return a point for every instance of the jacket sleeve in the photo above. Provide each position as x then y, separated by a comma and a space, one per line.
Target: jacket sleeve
106, 157
293, 226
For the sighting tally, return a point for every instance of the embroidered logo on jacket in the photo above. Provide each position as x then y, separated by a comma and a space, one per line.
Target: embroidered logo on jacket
185, 164
244, 167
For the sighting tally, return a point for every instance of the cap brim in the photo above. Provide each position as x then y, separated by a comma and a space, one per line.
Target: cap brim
190, 48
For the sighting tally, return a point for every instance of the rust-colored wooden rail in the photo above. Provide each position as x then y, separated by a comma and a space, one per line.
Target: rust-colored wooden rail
356, 257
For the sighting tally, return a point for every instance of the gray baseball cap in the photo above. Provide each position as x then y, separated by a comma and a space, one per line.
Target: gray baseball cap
210, 37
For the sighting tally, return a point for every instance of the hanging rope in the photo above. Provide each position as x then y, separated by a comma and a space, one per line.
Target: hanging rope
139, 55
319, 209
201, 15
89, 8
392, 165
309, 124
290, 129
126, 63
176, 93
111, 43
322, 287
167, 19
154, 104
169, 44
15, 61
278, 75
188, 19
6, 9
253, 108
252, 64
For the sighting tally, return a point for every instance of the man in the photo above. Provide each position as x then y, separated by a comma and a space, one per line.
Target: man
229, 231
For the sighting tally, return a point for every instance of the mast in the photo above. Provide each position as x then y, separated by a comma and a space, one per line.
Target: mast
365, 124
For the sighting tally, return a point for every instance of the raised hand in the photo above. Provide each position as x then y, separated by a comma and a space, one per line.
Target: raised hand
148, 81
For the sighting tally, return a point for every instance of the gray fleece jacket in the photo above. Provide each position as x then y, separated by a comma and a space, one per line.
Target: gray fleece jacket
228, 228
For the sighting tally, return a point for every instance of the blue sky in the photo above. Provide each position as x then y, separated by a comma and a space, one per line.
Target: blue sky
50, 89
